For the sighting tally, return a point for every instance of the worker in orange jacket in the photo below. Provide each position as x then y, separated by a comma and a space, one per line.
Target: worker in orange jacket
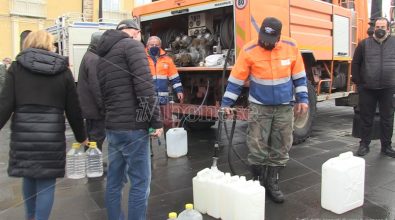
163, 70
278, 89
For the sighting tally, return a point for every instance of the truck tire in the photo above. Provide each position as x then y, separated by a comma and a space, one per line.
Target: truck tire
303, 125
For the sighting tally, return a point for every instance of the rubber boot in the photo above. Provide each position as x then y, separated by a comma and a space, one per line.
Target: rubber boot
263, 176
256, 171
272, 188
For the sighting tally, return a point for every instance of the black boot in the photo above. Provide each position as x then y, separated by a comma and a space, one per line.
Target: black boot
259, 173
263, 176
256, 171
363, 150
272, 188
388, 151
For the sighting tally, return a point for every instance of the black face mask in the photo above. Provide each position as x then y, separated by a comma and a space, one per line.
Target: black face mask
268, 46
380, 33
154, 51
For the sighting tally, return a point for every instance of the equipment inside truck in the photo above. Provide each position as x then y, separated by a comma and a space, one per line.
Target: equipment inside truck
190, 38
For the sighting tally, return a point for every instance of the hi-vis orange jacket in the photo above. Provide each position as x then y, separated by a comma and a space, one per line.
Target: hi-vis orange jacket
163, 70
274, 75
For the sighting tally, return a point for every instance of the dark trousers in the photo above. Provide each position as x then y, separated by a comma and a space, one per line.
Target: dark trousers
96, 131
368, 99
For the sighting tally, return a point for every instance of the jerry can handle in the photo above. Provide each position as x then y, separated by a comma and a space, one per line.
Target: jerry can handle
346, 155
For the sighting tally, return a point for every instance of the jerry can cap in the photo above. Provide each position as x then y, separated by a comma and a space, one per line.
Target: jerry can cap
189, 206
172, 215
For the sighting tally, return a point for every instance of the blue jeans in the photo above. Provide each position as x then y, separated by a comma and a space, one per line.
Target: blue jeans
39, 196
128, 150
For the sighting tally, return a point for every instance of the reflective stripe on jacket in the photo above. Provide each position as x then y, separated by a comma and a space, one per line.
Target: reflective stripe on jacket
275, 76
162, 71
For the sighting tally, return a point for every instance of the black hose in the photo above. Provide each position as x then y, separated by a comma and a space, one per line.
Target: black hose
229, 137
226, 32
225, 67
231, 148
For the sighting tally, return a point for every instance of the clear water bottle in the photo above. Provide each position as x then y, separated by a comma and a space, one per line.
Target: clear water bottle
172, 215
94, 166
190, 214
75, 162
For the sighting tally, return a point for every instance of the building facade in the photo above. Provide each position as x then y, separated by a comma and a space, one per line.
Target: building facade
20, 16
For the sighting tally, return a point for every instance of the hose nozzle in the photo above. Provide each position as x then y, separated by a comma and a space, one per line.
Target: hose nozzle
221, 114
215, 161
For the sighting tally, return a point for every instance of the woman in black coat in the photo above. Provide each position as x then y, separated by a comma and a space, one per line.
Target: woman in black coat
38, 93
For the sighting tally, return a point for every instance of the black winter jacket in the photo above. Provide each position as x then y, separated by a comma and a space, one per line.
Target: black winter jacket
373, 64
88, 87
3, 71
126, 83
38, 90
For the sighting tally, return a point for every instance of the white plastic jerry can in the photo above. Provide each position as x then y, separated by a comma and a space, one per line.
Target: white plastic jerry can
176, 142
226, 197
250, 201
343, 183
232, 198
214, 184
200, 190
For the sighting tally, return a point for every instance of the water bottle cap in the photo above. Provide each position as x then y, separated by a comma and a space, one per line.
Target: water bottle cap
172, 215
92, 144
75, 145
189, 206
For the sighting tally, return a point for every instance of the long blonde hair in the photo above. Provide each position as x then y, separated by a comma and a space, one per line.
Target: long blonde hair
40, 40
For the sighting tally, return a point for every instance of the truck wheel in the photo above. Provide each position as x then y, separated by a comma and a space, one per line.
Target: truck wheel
303, 125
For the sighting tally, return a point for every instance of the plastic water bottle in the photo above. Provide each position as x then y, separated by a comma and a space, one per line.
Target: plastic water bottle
94, 161
190, 214
172, 215
75, 162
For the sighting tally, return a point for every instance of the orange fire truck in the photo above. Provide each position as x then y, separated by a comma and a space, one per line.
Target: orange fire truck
205, 36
